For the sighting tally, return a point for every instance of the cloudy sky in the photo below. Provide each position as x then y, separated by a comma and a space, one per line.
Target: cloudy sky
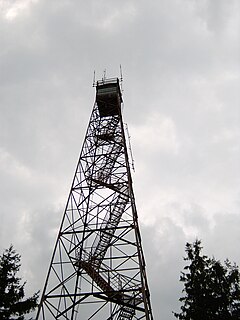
181, 70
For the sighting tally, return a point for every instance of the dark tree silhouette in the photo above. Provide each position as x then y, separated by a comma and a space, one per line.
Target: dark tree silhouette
12, 302
211, 289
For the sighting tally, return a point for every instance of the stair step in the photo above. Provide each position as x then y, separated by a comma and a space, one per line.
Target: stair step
126, 313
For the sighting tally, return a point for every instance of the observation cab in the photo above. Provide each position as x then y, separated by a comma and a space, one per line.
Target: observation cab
108, 97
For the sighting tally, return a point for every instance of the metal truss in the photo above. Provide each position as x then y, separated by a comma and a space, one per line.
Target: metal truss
97, 269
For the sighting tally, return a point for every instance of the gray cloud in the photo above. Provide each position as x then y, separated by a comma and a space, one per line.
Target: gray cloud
181, 66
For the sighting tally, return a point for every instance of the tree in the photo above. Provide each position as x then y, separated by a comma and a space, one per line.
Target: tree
12, 303
211, 289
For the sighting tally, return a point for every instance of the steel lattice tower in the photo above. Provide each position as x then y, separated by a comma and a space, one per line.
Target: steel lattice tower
97, 269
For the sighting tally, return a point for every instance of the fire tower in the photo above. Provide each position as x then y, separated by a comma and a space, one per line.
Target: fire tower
97, 269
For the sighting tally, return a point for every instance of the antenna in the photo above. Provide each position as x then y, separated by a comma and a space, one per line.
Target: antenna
129, 146
104, 75
94, 79
121, 78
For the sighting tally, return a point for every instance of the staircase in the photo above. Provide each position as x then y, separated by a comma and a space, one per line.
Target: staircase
99, 280
107, 164
113, 148
103, 239
109, 146
110, 291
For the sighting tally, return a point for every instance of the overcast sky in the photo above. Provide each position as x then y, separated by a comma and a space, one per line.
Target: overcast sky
181, 70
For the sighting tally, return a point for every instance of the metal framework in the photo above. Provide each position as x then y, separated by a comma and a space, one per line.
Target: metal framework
97, 269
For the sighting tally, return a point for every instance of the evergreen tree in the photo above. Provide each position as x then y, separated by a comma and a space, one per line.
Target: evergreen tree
211, 289
12, 302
